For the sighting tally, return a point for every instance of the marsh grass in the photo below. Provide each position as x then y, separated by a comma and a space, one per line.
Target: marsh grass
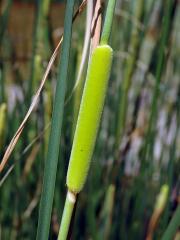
55, 133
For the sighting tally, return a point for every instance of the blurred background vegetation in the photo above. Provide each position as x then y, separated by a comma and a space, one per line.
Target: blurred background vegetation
136, 160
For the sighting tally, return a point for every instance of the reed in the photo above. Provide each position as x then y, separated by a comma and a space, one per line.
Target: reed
55, 133
88, 120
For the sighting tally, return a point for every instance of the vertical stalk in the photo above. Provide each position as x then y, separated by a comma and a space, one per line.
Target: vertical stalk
67, 215
54, 141
108, 22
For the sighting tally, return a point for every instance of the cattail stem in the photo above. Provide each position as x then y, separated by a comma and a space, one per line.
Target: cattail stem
67, 215
108, 22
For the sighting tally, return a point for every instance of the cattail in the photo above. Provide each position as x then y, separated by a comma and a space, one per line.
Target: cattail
88, 120
89, 117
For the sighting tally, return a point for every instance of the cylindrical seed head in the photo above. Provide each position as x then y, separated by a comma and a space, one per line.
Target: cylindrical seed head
89, 117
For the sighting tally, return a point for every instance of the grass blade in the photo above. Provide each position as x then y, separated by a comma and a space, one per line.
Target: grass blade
55, 134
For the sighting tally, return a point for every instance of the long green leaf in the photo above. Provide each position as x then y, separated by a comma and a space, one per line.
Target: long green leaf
54, 141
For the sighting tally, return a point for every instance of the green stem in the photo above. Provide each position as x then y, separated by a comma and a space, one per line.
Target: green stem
67, 216
173, 226
55, 134
108, 22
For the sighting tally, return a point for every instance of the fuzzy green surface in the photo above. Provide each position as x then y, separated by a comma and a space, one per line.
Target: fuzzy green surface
89, 117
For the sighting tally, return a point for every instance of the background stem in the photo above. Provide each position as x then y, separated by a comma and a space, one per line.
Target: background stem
173, 225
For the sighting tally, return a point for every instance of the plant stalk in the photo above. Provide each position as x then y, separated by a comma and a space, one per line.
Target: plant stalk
67, 215
108, 22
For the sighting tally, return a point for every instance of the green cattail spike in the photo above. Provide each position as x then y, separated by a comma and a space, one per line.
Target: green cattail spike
89, 117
